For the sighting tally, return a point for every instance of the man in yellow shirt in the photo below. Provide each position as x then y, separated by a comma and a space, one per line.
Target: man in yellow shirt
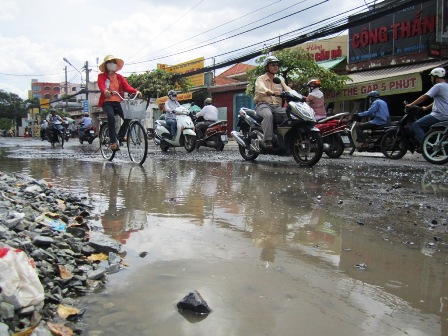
266, 98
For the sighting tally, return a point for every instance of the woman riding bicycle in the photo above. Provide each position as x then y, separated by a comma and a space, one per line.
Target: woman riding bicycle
108, 82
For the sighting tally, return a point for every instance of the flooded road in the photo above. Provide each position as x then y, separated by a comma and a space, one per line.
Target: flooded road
273, 248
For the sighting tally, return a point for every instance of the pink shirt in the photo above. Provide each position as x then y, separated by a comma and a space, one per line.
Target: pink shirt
316, 101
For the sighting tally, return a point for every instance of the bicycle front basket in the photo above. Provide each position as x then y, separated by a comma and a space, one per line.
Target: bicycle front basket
134, 109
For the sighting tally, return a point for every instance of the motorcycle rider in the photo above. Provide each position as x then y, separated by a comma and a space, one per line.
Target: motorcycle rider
380, 113
54, 124
210, 115
170, 116
438, 108
265, 98
43, 129
316, 99
85, 123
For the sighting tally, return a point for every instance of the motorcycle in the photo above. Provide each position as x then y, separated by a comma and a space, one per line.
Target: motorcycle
185, 136
215, 134
67, 133
435, 143
55, 135
373, 137
88, 134
333, 131
297, 134
400, 138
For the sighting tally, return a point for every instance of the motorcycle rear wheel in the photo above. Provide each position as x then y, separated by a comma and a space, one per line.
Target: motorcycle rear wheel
247, 154
106, 152
190, 143
393, 145
337, 146
219, 145
308, 149
430, 153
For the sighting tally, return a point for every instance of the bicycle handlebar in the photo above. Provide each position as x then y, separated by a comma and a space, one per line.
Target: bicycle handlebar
119, 95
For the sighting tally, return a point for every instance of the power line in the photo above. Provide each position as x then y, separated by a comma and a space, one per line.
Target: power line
229, 37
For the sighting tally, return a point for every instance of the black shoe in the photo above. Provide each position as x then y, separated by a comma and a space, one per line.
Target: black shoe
268, 144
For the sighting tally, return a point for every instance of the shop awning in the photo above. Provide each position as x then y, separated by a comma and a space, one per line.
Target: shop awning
330, 64
388, 81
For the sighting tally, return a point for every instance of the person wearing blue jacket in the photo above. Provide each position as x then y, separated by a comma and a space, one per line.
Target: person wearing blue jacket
380, 116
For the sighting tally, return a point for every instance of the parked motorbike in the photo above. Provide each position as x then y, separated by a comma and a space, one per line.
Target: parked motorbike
333, 131
435, 143
297, 134
373, 137
185, 136
215, 134
88, 134
399, 139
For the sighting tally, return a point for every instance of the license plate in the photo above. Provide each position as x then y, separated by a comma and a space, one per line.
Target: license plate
224, 138
345, 139
91, 132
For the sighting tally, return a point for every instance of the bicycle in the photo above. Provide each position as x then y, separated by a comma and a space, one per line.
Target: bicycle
137, 141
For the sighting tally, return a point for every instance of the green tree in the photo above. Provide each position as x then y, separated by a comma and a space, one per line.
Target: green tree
158, 82
5, 123
11, 106
297, 67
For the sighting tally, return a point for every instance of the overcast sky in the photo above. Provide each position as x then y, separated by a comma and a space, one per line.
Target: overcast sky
37, 35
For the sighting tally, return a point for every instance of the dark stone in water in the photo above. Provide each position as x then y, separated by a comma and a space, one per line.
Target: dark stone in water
194, 303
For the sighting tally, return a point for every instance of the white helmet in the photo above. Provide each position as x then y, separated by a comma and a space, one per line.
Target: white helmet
438, 72
270, 59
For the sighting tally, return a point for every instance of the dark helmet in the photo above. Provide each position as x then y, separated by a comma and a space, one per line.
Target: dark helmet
172, 94
373, 94
313, 83
208, 101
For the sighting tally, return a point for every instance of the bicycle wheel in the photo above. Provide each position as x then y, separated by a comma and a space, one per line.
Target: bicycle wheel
137, 142
434, 149
106, 152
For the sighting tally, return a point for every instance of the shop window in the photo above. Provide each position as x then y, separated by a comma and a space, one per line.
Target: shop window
47, 96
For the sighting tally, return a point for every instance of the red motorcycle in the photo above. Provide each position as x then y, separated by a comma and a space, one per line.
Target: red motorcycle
215, 135
333, 130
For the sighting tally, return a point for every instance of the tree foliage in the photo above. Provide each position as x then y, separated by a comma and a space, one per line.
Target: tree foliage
11, 105
297, 67
158, 82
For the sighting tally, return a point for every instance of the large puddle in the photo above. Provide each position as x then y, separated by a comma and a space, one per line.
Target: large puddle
260, 243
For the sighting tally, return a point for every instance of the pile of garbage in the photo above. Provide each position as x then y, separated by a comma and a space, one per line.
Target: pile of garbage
49, 257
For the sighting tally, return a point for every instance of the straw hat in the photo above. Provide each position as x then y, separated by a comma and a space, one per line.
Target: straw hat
120, 63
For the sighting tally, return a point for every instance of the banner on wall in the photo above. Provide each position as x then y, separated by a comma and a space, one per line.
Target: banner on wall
407, 31
186, 67
180, 97
385, 87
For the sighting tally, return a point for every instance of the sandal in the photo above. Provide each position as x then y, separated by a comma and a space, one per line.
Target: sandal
114, 147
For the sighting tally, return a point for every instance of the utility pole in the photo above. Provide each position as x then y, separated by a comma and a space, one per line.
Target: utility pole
87, 80
66, 90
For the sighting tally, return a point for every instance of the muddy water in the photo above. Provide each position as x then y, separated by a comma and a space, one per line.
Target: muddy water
259, 244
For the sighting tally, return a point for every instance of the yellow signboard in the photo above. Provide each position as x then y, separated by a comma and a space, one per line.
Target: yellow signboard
180, 97
386, 86
186, 67
45, 103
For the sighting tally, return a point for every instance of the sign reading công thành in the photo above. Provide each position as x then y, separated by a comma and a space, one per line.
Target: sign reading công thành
186, 67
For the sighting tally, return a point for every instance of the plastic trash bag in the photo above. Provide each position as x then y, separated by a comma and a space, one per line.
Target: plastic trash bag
19, 282
52, 220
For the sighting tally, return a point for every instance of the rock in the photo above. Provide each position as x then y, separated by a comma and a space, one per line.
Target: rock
102, 243
194, 303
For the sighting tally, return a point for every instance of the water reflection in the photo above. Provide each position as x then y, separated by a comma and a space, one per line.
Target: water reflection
255, 236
